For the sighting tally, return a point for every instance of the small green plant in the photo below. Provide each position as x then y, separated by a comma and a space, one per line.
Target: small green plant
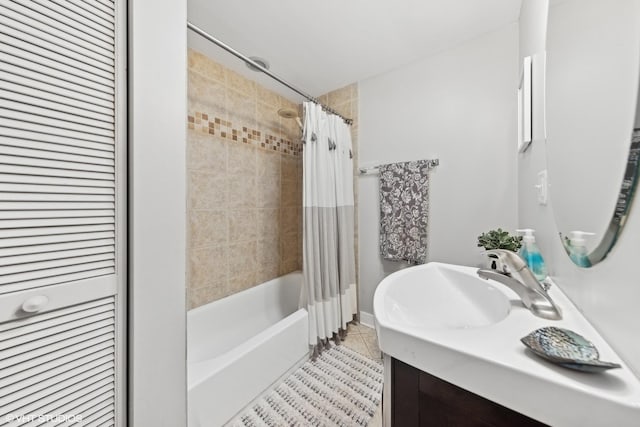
499, 239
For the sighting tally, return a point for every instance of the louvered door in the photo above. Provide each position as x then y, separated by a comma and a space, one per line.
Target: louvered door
62, 229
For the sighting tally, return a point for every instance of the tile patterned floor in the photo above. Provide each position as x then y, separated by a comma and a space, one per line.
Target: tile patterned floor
363, 339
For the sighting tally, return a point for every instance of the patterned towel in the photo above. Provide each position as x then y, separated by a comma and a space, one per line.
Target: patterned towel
404, 211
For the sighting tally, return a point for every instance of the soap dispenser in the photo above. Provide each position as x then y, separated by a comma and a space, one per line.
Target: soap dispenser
578, 248
531, 254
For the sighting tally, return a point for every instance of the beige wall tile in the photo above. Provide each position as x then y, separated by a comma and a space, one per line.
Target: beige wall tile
243, 225
207, 190
269, 192
354, 91
208, 267
243, 281
241, 159
201, 64
206, 152
289, 266
197, 297
207, 228
344, 109
268, 96
340, 96
241, 109
324, 99
289, 167
233, 243
290, 220
354, 138
287, 103
299, 192
198, 157
290, 193
204, 295
264, 275
355, 113
242, 192
300, 247
289, 246
269, 224
268, 254
207, 93
268, 164
243, 258
240, 83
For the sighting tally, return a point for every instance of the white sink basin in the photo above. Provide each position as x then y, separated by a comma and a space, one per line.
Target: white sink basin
444, 320
442, 296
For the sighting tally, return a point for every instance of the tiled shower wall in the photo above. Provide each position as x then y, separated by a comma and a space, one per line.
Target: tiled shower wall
244, 183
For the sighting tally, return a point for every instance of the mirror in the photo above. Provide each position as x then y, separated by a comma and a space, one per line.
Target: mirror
593, 140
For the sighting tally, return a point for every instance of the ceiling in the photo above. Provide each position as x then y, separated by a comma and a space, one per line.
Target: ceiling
323, 45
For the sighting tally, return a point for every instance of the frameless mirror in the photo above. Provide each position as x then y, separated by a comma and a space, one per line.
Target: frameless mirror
593, 140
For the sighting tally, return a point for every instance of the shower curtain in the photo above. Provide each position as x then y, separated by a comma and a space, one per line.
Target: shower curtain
328, 262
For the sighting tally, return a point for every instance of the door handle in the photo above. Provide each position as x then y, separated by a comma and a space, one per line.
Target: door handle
35, 304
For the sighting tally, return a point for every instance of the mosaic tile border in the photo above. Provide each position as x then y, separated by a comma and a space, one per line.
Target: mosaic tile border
211, 125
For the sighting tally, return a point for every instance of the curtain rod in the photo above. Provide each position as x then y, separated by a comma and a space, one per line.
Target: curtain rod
374, 169
259, 67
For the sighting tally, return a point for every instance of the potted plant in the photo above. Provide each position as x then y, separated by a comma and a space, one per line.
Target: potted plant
499, 239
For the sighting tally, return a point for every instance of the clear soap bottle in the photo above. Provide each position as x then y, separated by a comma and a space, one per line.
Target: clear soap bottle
531, 254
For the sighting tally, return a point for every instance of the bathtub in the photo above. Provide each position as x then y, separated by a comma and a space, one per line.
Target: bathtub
240, 345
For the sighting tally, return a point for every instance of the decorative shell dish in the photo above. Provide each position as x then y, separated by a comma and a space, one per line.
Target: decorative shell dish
566, 348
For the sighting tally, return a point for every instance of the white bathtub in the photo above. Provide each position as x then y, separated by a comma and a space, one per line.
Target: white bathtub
240, 345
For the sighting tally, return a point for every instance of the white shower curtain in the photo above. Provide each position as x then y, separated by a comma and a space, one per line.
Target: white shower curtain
328, 265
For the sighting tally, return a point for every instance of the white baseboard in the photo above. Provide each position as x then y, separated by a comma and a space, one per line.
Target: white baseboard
367, 319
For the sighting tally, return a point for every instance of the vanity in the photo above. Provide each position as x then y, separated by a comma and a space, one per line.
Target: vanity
421, 399
451, 341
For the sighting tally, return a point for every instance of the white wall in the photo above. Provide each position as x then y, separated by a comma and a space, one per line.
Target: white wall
157, 91
459, 106
608, 293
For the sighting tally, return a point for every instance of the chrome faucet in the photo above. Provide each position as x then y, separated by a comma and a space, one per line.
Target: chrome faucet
522, 281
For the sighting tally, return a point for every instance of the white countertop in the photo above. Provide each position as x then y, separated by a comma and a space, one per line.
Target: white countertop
492, 362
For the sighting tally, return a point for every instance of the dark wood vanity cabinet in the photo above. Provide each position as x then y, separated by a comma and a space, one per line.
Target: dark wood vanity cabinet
420, 399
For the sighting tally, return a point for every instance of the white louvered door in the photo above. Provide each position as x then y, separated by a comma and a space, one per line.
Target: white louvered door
62, 212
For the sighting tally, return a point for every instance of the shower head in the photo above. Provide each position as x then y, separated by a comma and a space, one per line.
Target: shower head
290, 113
